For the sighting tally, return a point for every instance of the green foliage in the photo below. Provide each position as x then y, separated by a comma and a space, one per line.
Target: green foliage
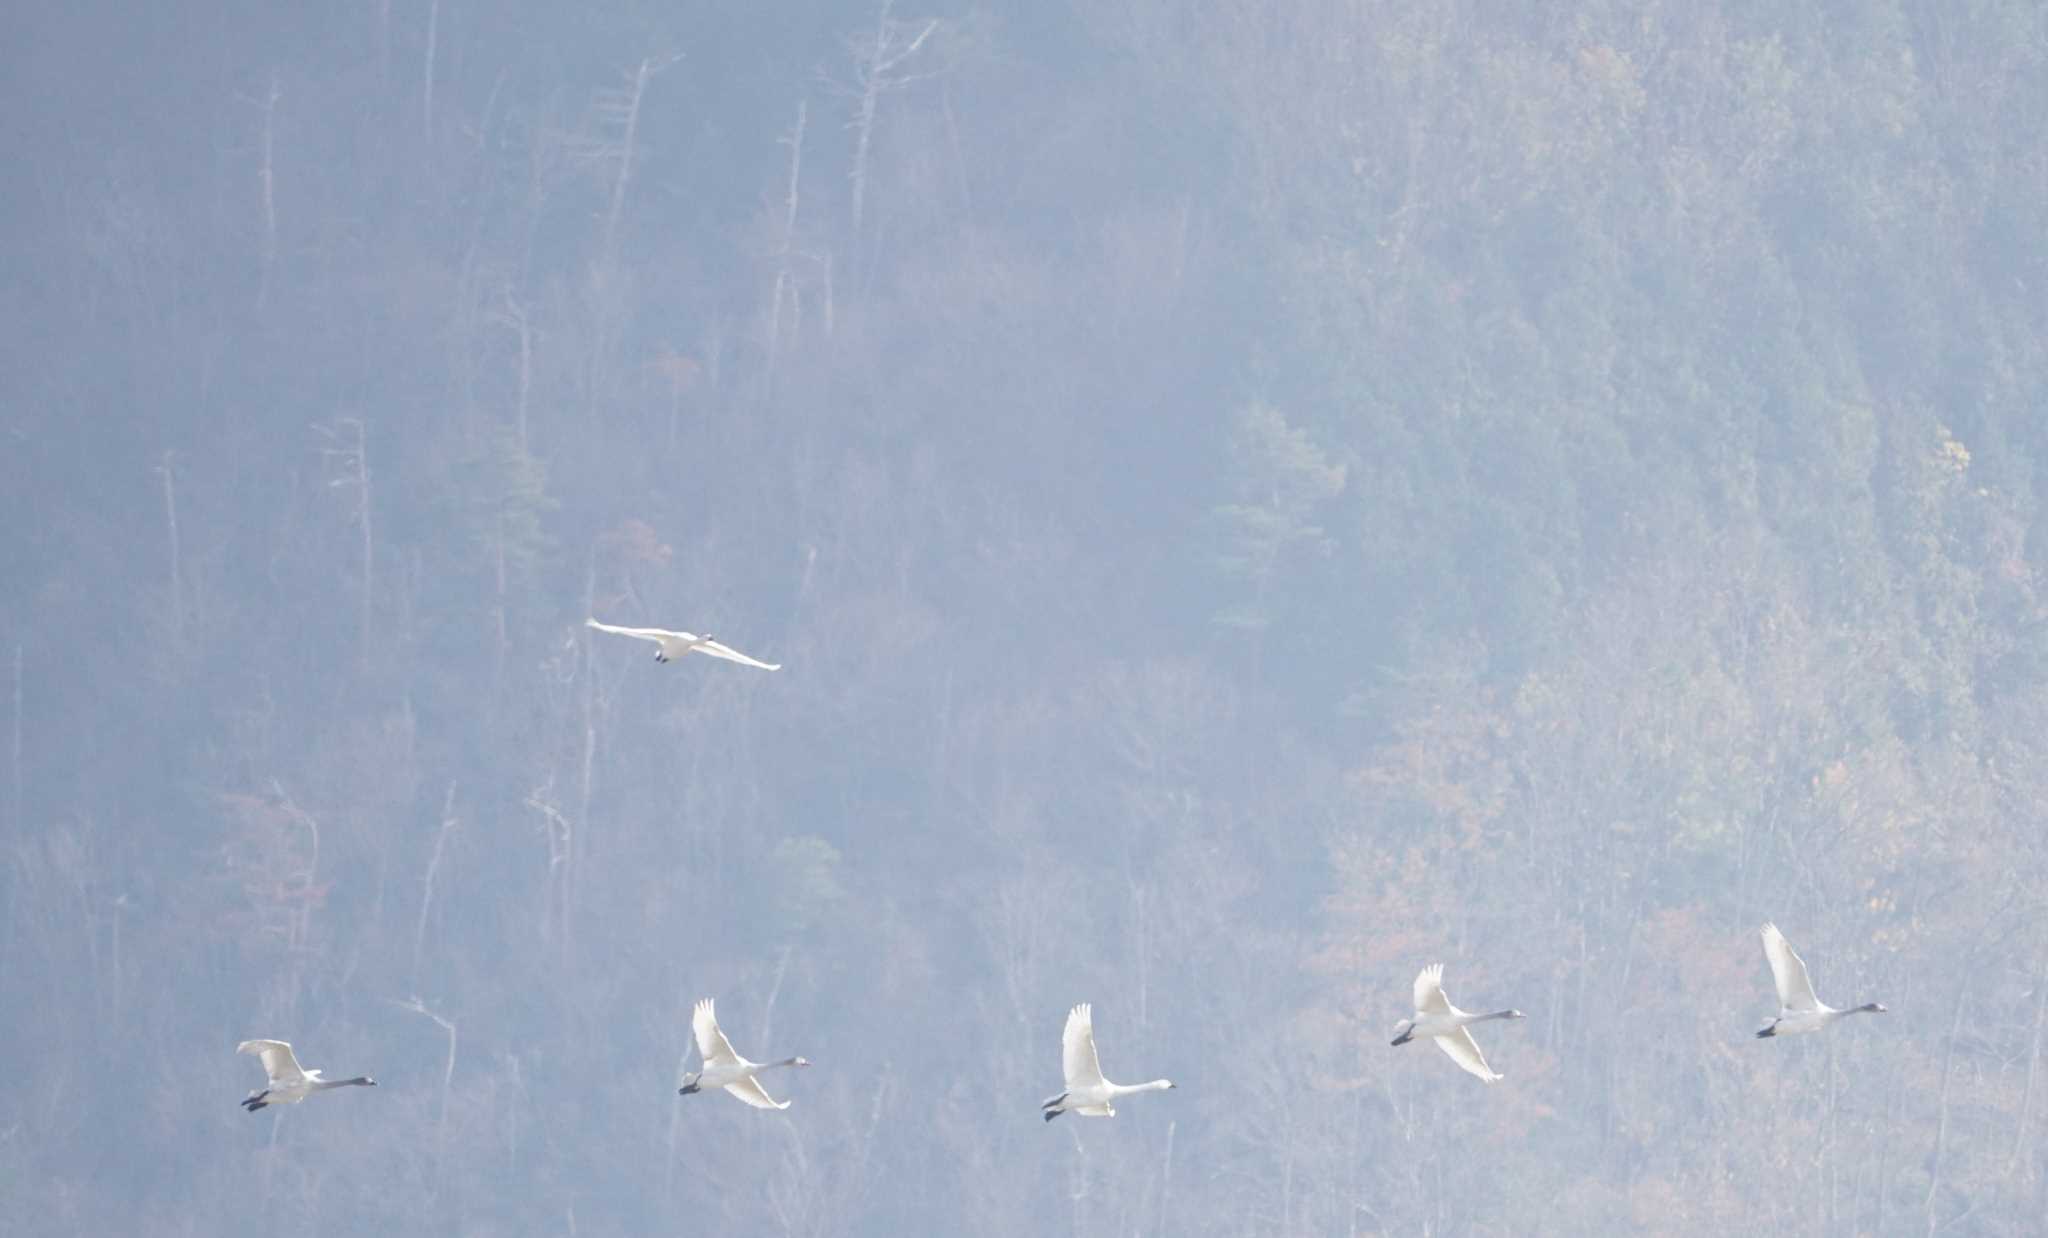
1281, 481
804, 884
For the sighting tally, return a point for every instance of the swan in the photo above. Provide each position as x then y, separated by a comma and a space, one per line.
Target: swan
1088, 1093
1798, 1009
672, 645
725, 1069
288, 1083
1436, 1017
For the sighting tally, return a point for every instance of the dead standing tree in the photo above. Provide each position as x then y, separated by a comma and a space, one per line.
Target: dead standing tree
877, 63
349, 459
621, 110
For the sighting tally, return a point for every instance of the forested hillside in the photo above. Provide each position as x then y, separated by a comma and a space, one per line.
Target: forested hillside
1251, 499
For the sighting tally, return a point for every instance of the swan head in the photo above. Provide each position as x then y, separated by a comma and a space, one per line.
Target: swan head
799, 1061
1874, 1008
1512, 1014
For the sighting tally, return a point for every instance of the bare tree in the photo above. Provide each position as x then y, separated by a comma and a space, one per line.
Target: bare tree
449, 822
14, 749
419, 1007
622, 109
877, 61
427, 88
266, 179
164, 470
786, 243
351, 460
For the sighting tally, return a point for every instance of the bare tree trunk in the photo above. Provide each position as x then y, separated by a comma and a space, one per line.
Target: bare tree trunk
267, 178
427, 91
874, 67
15, 791
448, 1071
628, 111
589, 772
419, 935
1166, 1182
355, 465
383, 40
795, 141
500, 623
164, 470
1941, 1125
2019, 1137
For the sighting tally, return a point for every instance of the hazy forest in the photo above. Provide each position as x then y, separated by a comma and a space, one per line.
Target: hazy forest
1252, 497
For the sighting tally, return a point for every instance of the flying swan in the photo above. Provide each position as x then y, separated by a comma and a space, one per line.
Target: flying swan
672, 645
1088, 1093
725, 1069
1436, 1017
1798, 1009
288, 1082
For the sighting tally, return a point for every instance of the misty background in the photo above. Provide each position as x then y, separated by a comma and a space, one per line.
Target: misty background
1253, 498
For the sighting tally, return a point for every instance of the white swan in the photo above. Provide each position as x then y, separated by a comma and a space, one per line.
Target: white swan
1798, 1009
725, 1069
672, 645
288, 1082
1088, 1093
1436, 1017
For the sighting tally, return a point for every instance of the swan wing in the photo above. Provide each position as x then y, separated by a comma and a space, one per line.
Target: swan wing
711, 1043
1465, 1052
1077, 1050
657, 635
1788, 970
1429, 991
750, 1090
730, 654
279, 1063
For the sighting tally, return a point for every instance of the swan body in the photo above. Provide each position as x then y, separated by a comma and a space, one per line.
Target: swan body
1799, 1011
288, 1083
1088, 1093
1436, 1018
672, 645
725, 1069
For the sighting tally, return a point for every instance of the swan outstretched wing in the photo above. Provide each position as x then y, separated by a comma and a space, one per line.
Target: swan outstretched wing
1464, 1050
1429, 991
730, 654
1077, 1050
1788, 970
751, 1091
654, 634
279, 1063
711, 1043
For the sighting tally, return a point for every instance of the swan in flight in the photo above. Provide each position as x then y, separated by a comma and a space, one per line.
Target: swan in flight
672, 645
1088, 1093
288, 1082
1798, 1009
1436, 1017
725, 1069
